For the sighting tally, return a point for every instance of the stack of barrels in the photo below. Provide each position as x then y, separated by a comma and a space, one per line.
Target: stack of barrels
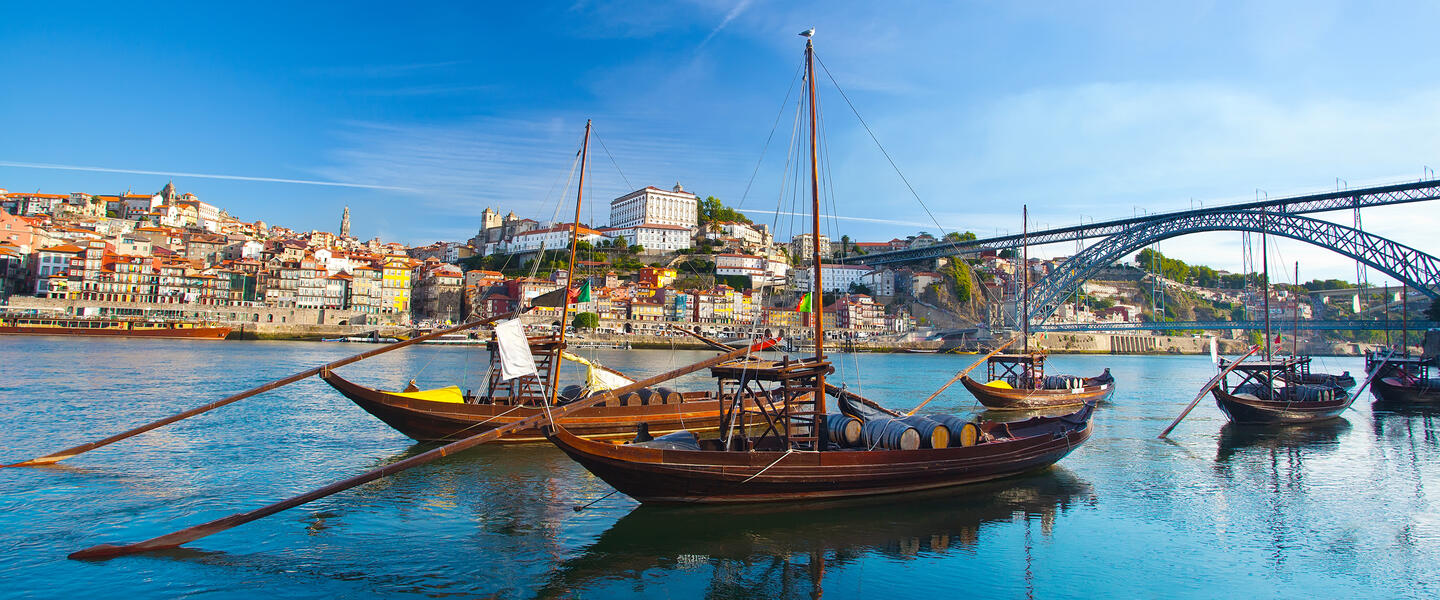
651, 396
913, 432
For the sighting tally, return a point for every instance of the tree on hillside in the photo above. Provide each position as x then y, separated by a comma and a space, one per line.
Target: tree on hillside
712, 210
956, 236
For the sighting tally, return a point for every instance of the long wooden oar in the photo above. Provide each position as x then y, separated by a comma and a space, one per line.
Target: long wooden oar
1372, 375
172, 540
961, 374
1205, 390
69, 452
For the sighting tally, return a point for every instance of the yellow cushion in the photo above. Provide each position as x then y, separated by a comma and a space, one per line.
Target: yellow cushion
1000, 383
445, 394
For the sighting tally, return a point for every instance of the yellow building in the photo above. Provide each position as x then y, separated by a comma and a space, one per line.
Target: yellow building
395, 284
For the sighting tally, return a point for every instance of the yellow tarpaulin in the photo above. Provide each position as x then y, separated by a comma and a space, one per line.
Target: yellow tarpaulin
1000, 383
597, 377
446, 394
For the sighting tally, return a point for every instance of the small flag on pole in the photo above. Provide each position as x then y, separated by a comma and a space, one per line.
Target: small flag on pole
805, 304
582, 294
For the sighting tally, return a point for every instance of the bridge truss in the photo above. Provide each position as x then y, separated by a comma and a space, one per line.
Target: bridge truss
1297, 205
1285, 326
1408, 265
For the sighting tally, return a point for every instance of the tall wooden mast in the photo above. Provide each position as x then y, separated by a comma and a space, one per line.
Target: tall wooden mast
569, 269
1025, 279
817, 295
1265, 268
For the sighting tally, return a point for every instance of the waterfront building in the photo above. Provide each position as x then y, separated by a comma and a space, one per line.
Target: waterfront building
837, 278
654, 206
652, 236
802, 250
50, 262
880, 281
395, 285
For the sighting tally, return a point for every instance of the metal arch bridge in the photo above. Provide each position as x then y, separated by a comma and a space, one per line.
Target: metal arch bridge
1406, 264
1278, 325
1296, 205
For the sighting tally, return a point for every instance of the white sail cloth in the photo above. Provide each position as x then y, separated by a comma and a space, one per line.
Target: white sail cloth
515, 357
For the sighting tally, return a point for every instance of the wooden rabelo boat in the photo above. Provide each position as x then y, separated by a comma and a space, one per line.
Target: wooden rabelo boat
1405, 379
449, 413
1019, 382
1260, 393
801, 450
103, 327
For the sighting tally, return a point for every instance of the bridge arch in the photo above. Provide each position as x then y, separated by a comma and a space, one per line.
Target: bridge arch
1408, 265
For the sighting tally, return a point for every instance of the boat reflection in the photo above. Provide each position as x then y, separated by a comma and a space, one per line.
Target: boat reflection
773, 541
1405, 419
1236, 438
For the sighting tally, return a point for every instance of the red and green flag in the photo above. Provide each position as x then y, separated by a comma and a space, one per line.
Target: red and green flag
582, 294
805, 304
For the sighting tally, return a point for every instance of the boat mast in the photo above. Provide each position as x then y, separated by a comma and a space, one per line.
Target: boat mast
1295, 333
1265, 269
817, 297
1025, 279
569, 269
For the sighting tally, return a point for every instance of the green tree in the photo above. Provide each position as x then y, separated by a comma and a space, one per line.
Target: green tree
620, 242
1007, 253
963, 280
712, 210
585, 320
844, 246
1256, 338
636, 249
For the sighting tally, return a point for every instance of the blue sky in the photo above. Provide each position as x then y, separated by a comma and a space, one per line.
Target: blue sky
429, 113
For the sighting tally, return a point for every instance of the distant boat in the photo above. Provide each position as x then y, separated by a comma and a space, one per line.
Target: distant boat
1019, 382
1405, 379
1260, 395
86, 326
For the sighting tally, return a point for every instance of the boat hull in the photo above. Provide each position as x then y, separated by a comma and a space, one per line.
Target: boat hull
663, 476
1246, 410
191, 333
430, 421
1015, 399
1392, 390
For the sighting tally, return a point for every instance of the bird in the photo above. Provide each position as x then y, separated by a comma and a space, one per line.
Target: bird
808, 32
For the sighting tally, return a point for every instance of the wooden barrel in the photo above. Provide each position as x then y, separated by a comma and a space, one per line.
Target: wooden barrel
649, 396
889, 434
669, 396
571, 393
933, 434
842, 430
632, 399
969, 435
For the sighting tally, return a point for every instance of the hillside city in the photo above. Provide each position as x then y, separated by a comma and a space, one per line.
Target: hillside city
665, 257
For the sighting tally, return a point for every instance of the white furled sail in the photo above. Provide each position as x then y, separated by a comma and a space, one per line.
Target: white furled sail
515, 357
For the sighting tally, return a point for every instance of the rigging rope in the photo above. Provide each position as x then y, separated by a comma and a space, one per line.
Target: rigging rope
881, 146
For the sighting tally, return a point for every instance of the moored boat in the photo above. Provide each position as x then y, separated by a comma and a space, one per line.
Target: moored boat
87, 326
1261, 395
802, 451
1405, 379
1019, 382
449, 413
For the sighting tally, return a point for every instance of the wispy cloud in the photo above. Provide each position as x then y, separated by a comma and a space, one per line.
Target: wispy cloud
841, 218
521, 164
371, 186
380, 71
730, 16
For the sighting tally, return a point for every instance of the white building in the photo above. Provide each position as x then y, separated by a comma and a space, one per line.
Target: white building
553, 238
803, 250
667, 238
835, 278
654, 206
881, 282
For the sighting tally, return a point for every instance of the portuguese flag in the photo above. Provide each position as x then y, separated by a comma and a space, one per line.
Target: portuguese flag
805, 305
582, 294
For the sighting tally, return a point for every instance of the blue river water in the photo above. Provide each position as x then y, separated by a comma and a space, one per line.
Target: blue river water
1344, 509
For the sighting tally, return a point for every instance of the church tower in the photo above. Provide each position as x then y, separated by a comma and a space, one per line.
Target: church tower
345, 224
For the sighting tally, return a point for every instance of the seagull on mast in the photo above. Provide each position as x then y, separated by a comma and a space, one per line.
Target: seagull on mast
808, 32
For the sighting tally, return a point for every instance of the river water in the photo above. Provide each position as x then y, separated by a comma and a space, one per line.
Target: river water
1344, 509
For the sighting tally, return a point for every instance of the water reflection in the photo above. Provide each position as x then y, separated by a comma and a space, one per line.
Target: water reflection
1417, 421
782, 551
1298, 438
